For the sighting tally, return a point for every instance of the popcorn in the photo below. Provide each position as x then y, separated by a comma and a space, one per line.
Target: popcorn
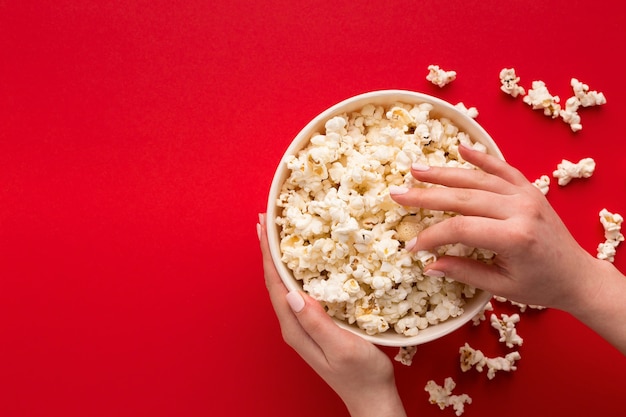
585, 97
570, 114
442, 396
405, 355
567, 170
471, 357
543, 183
612, 224
506, 327
481, 316
343, 236
470, 112
439, 76
509, 81
540, 98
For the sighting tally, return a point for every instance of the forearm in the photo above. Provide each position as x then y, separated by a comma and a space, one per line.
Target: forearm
605, 311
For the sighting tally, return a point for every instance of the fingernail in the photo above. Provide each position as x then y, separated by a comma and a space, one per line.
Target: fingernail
466, 145
258, 230
410, 244
295, 300
416, 166
396, 190
261, 218
434, 273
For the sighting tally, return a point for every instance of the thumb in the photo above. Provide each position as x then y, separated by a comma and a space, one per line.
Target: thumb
315, 320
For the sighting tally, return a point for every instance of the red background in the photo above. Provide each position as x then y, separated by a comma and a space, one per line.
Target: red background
138, 140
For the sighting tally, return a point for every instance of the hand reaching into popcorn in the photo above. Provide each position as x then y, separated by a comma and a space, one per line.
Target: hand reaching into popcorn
353, 367
538, 261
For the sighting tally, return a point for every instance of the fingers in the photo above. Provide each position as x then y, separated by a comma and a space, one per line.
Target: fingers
462, 178
493, 165
490, 278
477, 232
459, 200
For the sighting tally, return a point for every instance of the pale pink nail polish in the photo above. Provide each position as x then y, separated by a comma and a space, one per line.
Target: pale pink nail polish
396, 190
295, 300
416, 166
258, 230
434, 273
410, 244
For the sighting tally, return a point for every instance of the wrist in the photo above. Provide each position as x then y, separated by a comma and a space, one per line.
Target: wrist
379, 404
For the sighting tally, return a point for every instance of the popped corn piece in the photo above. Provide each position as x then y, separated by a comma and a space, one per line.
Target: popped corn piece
570, 114
543, 183
439, 76
473, 358
568, 170
471, 111
443, 397
509, 81
585, 97
482, 316
612, 224
405, 355
522, 307
607, 250
506, 328
540, 98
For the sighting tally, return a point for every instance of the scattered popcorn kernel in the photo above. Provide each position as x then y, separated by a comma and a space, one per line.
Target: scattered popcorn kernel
540, 98
509, 81
585, 97
473, 358
470, 112
405, 355
570, 114
612, 224
568, 170
506, 328
543, 183
439, 76
443, 397
478, 318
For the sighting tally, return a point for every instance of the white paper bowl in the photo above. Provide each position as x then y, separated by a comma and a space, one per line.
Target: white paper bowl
441, 108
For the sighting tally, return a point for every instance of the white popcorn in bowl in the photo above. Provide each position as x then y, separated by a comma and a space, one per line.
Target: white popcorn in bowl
440, 77
470, 111
568, 170
509, 81
341, 237
442, 396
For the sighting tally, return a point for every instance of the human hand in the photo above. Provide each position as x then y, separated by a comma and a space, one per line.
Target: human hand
537, 262
360, 373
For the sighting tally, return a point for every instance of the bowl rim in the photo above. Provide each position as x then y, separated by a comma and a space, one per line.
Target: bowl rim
355, 103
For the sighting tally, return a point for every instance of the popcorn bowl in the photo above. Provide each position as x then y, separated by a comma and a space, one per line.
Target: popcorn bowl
386, 98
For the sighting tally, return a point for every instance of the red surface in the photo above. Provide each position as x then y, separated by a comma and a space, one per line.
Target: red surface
137, 143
